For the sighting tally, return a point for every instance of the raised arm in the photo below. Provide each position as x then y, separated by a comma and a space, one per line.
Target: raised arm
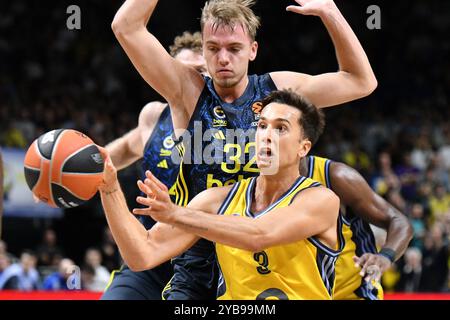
354, 192
129, 148
355, 78
180, 85
314, 213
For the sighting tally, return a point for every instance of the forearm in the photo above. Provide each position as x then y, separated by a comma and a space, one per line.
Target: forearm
238, 232
350, 54
121, 154
399, 234
129, 234
133, 15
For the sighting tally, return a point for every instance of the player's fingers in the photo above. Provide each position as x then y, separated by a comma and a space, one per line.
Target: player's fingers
156, 191
142, 212
356, 260
151, 176
145, 201
144, 188
296, 9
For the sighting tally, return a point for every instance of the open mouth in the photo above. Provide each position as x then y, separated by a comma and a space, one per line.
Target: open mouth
265, 152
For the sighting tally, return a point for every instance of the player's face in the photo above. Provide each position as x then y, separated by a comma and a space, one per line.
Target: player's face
192, 59
227, 53
280, 142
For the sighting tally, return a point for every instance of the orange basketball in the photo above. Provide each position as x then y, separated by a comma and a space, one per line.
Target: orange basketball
63, 168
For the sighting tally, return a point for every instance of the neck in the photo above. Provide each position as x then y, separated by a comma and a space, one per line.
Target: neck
304, 166
230, 94
269, 188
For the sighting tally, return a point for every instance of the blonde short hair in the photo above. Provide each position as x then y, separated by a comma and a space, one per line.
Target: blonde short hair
191, 41
229, 13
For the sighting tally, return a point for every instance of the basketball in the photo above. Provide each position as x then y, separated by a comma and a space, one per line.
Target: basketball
63, 168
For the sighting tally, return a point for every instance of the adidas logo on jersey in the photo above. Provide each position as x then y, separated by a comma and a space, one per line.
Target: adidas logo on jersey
163, 164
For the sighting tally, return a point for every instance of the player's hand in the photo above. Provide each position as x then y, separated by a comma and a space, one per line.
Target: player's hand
158, 202
372, 266
312, 7
109, 171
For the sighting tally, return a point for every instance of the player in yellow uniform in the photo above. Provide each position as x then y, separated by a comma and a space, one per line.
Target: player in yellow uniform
361, 207
277, 235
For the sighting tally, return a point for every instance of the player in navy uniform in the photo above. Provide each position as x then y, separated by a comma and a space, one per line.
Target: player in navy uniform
151, 140
230, 99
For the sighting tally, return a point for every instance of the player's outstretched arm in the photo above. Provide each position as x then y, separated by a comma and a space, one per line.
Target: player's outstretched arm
180, 85
141, 249
129, 148
354, 192
355, 78
314, 214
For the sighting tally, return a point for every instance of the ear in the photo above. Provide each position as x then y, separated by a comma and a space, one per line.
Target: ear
305, 147
253, 50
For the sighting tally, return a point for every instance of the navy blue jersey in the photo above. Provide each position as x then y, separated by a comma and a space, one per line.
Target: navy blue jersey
158, 157
219, 146
218, 149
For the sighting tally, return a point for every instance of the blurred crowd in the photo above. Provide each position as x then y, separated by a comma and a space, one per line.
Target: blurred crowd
398, 138
48, 268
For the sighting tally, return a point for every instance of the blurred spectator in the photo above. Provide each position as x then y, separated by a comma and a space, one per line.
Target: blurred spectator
49, 254
7, 281
408, 175
59, 280
386, 183
88, 278
93, 259
22, 275
110, 252
418, 225
439, 203
435, 260
411, 273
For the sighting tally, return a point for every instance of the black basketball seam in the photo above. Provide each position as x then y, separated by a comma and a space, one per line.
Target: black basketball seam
76, 196
40, 164
72, 155
55, 146
30, 168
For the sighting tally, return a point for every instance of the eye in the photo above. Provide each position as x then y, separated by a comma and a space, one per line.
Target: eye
262, 125
281, 129
235, 50
212, 49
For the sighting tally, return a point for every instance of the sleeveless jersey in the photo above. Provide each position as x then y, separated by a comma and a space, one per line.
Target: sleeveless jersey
358, 237
295, 271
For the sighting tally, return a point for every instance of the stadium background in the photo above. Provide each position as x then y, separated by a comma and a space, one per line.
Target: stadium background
398, 138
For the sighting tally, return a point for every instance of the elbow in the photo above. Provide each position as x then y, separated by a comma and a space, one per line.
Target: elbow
368, 85
121, 26
141, 264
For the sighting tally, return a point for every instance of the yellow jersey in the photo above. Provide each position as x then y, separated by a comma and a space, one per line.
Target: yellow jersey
301, 270
359, 239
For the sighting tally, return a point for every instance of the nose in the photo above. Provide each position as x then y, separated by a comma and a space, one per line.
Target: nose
266, 135
223, 57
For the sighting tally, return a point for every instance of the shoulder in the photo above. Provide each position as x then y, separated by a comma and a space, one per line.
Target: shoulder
150, 113
317, 198
210, 199
340, 173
